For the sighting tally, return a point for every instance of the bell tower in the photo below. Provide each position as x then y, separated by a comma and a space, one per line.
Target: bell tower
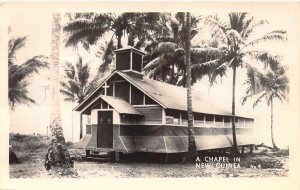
129, 60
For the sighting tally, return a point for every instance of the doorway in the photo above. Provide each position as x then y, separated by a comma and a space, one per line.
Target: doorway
105, 129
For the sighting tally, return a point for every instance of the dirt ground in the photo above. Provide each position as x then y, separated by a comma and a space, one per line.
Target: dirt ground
263, 163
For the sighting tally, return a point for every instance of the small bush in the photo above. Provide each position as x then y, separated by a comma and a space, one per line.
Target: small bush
27, 142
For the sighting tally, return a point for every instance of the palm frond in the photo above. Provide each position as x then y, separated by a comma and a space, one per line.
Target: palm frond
218, 28
251, 26
89, 30
259, 99
107, 56
14, 45
31, 66
276, 35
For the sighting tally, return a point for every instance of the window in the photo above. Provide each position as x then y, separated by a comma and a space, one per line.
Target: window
136, 62
227, 119
209, 117
149, 101
199, 116
122, 90
218, 118
136, 96
172, 117
123, 61
184, 118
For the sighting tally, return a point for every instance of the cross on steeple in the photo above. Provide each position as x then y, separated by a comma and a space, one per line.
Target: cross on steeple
105, 88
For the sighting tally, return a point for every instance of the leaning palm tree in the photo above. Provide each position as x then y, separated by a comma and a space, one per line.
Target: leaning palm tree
271, 84
58, 158
235, 47
18, 74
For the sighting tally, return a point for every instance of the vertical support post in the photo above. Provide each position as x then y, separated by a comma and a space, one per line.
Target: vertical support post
130, 59
129, 93
180, 118
163, 116
214, 120
113, 88
105, 89
80, 135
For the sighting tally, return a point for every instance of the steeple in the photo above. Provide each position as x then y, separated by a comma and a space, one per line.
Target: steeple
129, 60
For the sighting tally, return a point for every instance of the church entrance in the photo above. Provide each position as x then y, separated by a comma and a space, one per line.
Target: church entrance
105, 129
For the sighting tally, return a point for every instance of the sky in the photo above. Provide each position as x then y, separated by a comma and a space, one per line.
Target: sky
38, 30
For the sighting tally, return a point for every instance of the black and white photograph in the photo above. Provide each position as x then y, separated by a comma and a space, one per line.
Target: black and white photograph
150, 91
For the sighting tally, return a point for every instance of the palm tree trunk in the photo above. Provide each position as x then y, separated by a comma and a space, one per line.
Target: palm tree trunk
272, 133
191, 137
235, 150
119, 39
58, 155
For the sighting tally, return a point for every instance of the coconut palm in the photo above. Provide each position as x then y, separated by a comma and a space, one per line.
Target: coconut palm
89, 29
270, 84
18, 74
58, 158
235, 47
165, 60
77, 82
191, 136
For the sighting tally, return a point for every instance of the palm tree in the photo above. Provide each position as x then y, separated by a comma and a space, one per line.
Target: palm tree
57, 158
271, 84
234, 49
191, 136
18, 74
165, 60
89, 29
77, 82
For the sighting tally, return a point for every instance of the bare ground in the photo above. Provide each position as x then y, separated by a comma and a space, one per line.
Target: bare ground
263, 163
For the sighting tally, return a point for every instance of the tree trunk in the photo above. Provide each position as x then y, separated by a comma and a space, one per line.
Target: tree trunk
191, 137
119, 39
235, 150
57, 158
272, 134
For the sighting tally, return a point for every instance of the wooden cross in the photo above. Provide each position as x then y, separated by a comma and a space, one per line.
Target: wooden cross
105, 88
